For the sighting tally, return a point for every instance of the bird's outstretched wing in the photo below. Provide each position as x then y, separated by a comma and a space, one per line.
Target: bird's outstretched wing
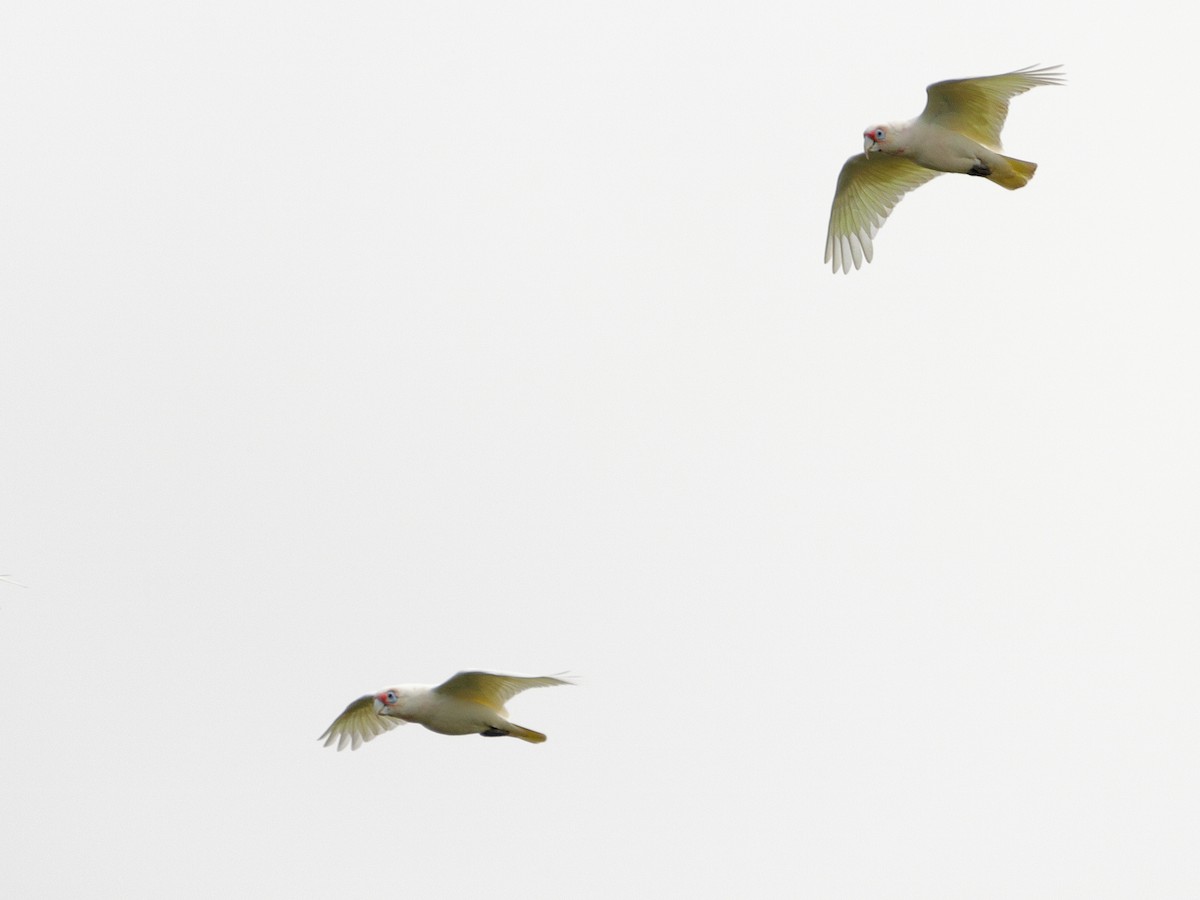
977, 107
359, 723
493, 689
867, 189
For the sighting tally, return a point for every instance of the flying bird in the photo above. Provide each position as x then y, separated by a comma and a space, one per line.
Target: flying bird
959, 131
468, 703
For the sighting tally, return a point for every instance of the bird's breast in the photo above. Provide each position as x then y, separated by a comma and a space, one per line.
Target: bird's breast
942, 150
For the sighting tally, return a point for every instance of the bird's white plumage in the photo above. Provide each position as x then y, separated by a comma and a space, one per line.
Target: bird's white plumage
467, 703
961, 118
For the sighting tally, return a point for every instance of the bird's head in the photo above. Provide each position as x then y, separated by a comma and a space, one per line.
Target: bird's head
385, 702
875, 138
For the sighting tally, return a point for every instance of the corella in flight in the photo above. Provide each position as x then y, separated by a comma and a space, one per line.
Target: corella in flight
468, 703
959, 131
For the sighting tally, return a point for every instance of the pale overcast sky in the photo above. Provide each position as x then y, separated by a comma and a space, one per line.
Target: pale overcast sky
347, 345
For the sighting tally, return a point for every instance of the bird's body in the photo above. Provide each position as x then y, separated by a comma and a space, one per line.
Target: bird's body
937, 148
422, 704
468, 703
958, 132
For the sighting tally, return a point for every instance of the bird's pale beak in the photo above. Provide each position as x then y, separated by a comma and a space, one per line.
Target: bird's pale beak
379, 707
868, 145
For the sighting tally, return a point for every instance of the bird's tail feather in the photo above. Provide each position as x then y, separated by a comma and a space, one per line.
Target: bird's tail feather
525, 734
1013, 174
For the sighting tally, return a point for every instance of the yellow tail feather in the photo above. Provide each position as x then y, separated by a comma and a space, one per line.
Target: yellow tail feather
525, 734
1015, 174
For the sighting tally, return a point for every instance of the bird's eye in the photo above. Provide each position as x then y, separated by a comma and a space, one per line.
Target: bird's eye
391, 696
879, 134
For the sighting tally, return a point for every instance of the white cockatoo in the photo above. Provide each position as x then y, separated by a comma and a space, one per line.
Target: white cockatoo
468, 703
959, 131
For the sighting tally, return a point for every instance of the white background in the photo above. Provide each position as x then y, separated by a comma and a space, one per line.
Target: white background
351, 344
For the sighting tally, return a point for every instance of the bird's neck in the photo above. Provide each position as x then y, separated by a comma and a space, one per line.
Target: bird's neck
898, 138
